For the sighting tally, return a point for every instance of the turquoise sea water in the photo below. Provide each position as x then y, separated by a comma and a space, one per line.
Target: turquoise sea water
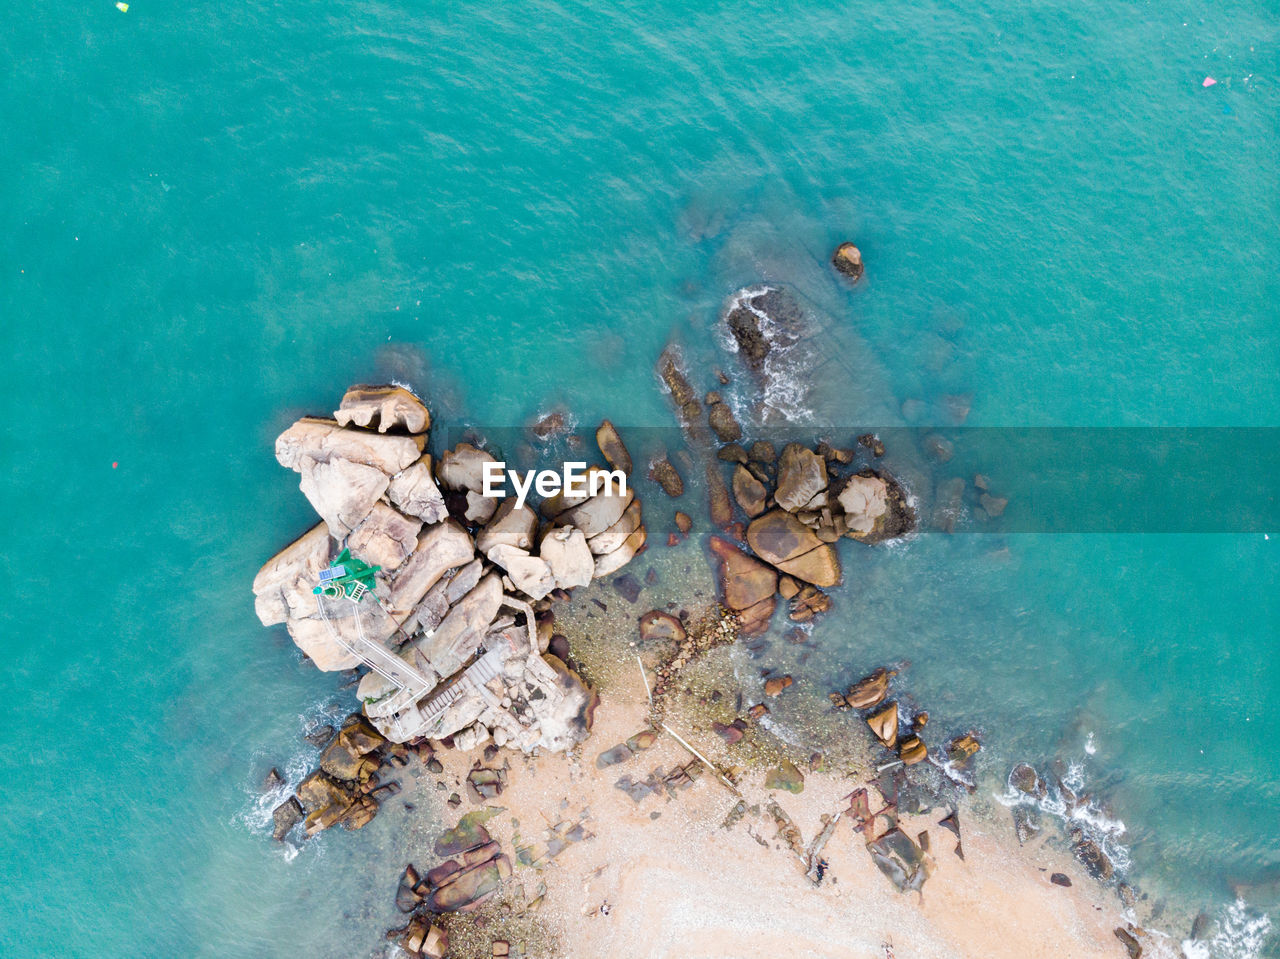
215, 218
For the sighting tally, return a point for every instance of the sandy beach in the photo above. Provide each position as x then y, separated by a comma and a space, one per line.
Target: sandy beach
666, 877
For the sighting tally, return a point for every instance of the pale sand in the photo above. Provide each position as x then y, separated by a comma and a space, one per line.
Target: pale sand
683, 886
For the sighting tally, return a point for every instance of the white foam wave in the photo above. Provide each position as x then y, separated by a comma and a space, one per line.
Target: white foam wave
1062, 802
785, 391
1242, 932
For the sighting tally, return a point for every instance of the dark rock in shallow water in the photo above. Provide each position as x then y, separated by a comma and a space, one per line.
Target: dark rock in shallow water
664, 474
1094, 859
656, 625
611, 445
320, 736
1060, 879
684, 522
732, 453
1131, 944
718, 498
1026, 824
1026, 780
407, 898
628, 587
273, 780
847, 259
763, 319
723, 423
287, 815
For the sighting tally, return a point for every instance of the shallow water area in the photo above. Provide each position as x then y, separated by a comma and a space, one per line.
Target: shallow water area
215, 223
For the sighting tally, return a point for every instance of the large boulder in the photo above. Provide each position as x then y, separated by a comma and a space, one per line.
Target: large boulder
462, 468
440, 548
298, 563
461, 632
802, 475
598, 513
321, 440
781, 539
881, 500
662, 472
566, 551
413, 491
611, 445
342, 492
744, 581
616, 535
605, 483
385, 537
531, 575
864, 500
749, 492
612, 562
847, 259
384, 407
723, 422
511, 525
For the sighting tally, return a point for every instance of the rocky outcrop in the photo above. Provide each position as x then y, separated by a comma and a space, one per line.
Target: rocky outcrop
611, 446
750, 493
413, 491
747, 585
342, 492
802, 479
450, 636
566, 551
847, 259
783, 541
385, 408
385, 537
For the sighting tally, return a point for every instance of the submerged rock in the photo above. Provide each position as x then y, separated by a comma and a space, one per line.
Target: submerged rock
656, 626
611, 445
665, 475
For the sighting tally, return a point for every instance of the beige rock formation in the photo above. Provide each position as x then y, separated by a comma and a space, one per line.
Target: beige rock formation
320, 439
802, 476
342, 492
567, 553
383, 407
864, 499
385, 537
413, 491
511, 525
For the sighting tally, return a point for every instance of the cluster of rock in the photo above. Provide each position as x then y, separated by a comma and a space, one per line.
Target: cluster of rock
346, 788
450, 631
788, 508
798, 504
869, 696
1025, 780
